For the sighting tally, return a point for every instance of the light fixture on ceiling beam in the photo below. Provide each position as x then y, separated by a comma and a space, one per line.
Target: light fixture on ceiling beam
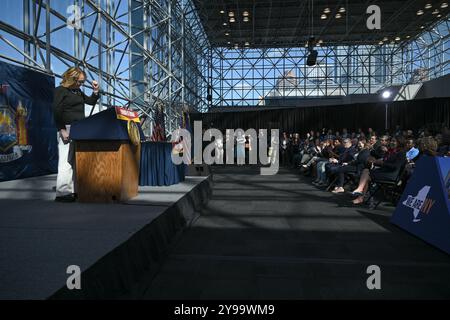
246, 19
420, 12
439, 16
245, 14
227, 33
232, 20
381, 43
385, 39
222, 11
397, 38
326, 10
231, 14
444, 5
323, 16
224, 23
422, 27
428, 6
247, 43
338, 16
435, 12
342, 10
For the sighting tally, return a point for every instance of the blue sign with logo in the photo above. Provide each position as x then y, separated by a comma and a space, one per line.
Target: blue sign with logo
28, 145
424, 208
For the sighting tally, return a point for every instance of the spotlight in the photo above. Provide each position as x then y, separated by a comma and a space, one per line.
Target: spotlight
342, 10
338, 15
444, 5
247, 43
323, 17
420, 12
245, 13
397, 38
435, 12
428, 6
232, 20
231, 14
385, 39
326, 10
222, 12
246, 19
439, 16
224, 23
227, 34
386, 94
381, 43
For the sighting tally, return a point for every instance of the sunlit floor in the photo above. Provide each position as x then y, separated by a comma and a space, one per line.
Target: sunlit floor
280, 237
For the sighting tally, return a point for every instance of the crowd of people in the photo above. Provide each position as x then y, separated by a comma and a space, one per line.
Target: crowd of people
361, 157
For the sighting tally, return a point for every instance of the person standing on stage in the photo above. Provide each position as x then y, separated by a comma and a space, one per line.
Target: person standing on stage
68, 107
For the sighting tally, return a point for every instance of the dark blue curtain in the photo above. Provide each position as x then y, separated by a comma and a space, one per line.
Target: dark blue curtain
156, 166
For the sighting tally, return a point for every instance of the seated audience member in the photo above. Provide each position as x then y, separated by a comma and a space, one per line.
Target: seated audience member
355, 166
380, 148
327, 153
346, 155
444, 146
387, 169
313, 151
428, 146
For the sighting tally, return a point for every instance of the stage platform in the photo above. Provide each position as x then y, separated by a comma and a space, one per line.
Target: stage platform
113, 244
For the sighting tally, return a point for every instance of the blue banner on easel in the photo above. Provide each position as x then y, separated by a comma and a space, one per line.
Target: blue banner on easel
424, 208
28, 145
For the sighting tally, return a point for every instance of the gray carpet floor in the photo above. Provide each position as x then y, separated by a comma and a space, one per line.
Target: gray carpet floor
279, 237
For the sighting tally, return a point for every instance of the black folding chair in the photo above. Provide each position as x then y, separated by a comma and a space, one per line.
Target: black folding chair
392, 187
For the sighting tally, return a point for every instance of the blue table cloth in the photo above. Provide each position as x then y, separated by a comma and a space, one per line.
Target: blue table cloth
156, 166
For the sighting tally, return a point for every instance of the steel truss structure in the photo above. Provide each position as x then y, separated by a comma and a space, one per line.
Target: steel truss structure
156, 52
254, 76
143, 52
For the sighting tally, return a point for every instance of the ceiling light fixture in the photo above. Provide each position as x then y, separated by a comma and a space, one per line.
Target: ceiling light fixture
227, 34
222, 12
428, 6
385, 39
342, 10
381, 43
444, 5
326, 10
246, 19
323, 17
245, 13
435, 12
247, 43
338, 15
420, 12
397, 38
224, 23
231, 14
232, 19
439, 16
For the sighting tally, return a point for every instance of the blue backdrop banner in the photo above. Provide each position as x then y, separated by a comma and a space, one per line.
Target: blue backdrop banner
28, 145
424, 208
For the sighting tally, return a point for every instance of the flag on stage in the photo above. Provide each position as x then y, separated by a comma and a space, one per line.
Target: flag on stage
181, 146
159, 131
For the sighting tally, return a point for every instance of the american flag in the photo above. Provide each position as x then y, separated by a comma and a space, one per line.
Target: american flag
159, 132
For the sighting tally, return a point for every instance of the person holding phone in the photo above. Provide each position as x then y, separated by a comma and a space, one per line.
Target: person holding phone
68, 107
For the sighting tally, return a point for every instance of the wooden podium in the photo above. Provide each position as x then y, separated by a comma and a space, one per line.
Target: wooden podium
106, 161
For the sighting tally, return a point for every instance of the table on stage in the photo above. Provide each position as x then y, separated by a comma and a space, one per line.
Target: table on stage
156, 166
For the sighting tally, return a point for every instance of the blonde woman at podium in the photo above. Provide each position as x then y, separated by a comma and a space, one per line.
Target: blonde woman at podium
68, 106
